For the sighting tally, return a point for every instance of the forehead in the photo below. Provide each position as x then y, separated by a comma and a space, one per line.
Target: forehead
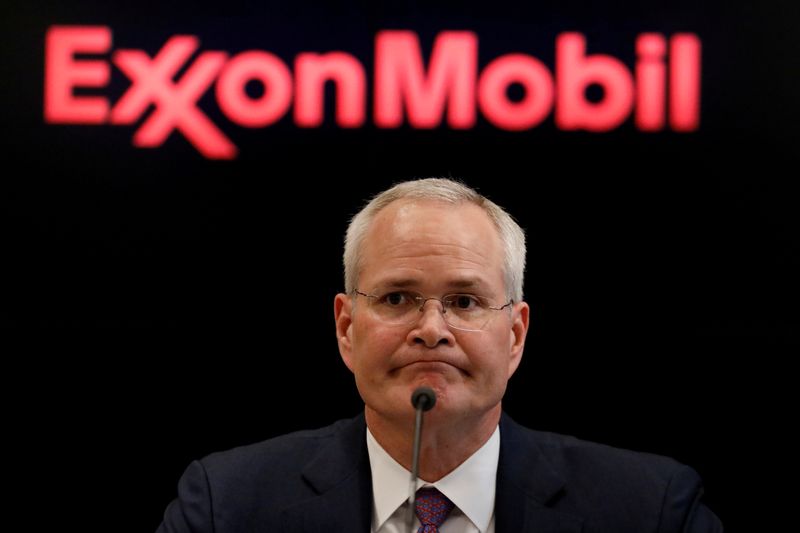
418, 241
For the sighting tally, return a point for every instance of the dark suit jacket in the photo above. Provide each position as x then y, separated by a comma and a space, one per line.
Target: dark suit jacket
319, 481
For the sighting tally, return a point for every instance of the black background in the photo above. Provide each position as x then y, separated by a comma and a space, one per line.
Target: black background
160, 306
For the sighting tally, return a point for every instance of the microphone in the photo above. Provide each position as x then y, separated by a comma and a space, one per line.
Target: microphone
422, 399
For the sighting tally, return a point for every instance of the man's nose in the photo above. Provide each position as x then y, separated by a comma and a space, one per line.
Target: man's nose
431, 328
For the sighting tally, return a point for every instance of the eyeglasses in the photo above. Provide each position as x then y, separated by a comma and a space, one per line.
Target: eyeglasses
467, 312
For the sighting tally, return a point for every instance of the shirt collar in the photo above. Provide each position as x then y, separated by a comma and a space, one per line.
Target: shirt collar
471, 486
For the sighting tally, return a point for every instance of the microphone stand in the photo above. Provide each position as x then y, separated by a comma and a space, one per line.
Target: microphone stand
423, 399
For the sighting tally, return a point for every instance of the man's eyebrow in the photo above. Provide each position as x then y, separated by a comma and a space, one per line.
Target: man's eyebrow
399, 283
466, 283
454, 284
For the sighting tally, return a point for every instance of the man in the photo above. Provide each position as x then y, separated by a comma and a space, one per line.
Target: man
433, 279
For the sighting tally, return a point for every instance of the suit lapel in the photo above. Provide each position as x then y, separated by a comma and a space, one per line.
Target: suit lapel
527, 486
340, 477
341, 509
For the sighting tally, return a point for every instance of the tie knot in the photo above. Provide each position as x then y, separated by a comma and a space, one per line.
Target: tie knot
432, 508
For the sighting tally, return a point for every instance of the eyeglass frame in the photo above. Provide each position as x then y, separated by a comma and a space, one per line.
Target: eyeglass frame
422, 300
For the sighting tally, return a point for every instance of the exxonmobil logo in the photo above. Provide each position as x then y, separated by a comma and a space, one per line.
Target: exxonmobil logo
662, 91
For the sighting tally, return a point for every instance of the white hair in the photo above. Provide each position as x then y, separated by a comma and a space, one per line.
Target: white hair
444, 190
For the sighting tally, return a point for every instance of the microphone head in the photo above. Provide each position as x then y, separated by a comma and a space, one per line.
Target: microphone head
423, 398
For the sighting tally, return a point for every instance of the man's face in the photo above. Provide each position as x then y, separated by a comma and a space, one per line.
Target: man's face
433, 249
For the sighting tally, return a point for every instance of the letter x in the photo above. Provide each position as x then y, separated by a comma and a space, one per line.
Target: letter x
175, 101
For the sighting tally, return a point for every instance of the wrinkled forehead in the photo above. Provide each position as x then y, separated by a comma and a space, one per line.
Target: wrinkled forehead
411, 219
430, 237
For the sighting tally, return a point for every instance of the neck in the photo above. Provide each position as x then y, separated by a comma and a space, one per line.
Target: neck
446, 441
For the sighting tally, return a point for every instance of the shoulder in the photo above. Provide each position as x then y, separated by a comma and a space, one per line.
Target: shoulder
285, 454
227, 491
607, 487
570, 455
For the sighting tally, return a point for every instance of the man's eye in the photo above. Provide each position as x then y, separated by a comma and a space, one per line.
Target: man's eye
464, 301
395, 299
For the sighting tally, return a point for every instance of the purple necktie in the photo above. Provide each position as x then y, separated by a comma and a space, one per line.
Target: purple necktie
432, 508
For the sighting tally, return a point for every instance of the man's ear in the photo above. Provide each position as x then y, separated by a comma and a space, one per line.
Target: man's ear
342, 314
520, 318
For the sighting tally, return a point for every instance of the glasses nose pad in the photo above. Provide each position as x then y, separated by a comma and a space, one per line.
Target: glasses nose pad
442, 308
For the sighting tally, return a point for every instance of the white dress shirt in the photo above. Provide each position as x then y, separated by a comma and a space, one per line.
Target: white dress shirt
471, 487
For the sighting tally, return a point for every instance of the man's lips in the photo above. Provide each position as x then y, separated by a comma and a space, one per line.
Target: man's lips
425, 364
435, 365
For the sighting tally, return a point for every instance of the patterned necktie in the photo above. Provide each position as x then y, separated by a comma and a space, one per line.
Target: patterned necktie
432, 508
